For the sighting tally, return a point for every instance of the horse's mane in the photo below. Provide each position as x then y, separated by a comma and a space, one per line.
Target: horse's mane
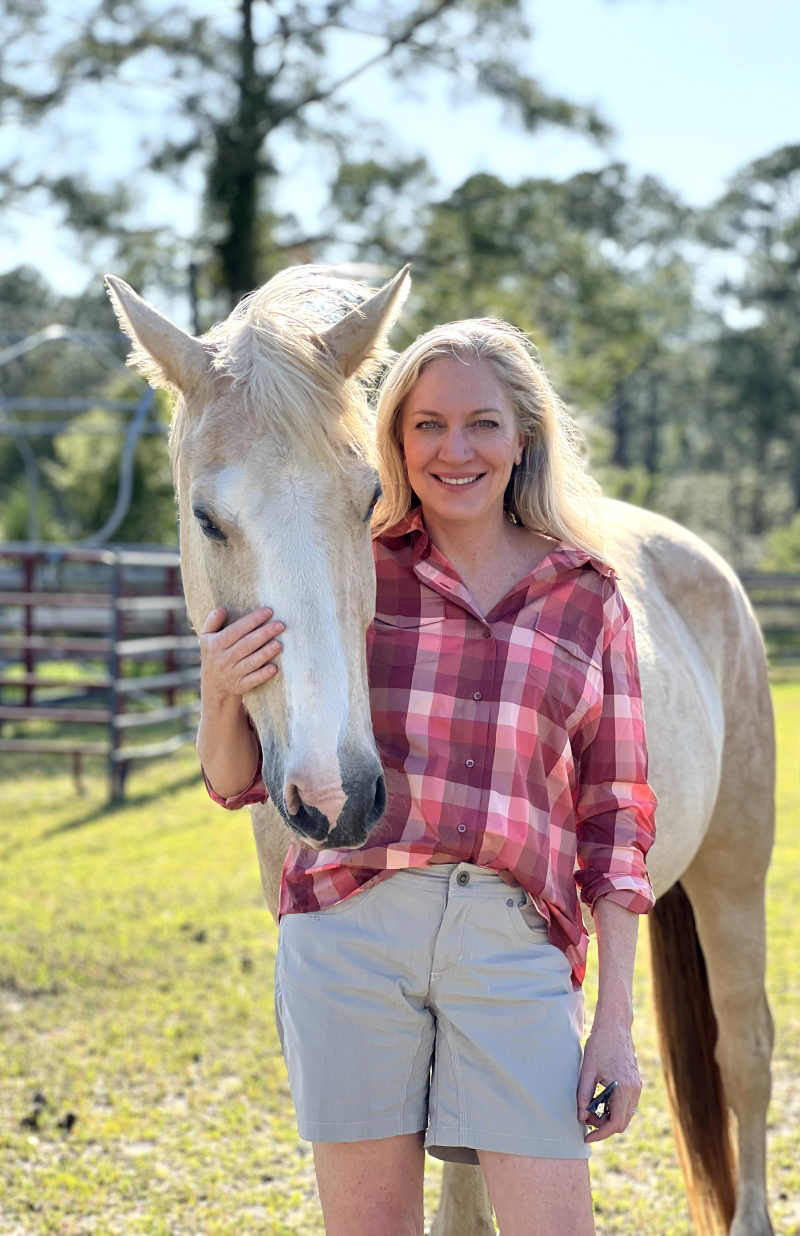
270, 349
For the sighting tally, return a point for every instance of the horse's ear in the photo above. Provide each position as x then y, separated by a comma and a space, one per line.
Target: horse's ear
162, 352
362, 331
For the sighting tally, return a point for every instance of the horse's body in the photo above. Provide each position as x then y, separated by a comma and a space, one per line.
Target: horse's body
709, 726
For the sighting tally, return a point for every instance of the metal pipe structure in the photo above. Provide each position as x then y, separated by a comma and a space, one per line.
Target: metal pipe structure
22, 430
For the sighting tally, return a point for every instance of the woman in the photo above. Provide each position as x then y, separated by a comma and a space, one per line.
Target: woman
507, 712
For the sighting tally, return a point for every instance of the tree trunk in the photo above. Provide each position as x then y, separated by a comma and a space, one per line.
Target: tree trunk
620, 426
234, 175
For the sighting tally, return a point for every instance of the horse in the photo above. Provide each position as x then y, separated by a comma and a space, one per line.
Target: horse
272, 449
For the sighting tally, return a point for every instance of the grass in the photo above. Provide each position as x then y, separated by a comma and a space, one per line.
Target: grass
136, 993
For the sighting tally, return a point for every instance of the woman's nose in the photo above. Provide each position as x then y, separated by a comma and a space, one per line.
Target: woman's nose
455, 447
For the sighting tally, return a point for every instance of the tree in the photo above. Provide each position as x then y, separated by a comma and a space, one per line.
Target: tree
238, 84
755, 374
78, 474
589, 266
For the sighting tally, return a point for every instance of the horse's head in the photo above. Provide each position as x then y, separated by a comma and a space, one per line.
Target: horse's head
272, 452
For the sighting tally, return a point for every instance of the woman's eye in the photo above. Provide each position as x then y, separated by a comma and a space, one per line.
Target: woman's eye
486, 424
428, 425
207, 525
375, 497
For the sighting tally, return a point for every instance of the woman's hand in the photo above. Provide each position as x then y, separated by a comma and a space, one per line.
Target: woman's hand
609, 1056
233, 660
237, 658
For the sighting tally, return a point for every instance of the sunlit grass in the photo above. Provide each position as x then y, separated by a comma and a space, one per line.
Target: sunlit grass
136, 992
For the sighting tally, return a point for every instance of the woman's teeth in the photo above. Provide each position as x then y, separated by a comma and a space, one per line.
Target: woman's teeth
457, 480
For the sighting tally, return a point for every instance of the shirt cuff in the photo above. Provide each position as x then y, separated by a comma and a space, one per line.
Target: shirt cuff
633, 893
256, 792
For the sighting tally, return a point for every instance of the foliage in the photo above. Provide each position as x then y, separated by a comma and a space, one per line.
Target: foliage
691, 404
85, 474
238, 84
136, 991
673, 334
79, 474
783, 548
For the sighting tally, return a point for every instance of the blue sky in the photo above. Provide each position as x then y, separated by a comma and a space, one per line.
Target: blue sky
693, 88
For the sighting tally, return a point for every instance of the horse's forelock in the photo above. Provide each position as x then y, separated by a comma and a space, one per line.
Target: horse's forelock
268, 349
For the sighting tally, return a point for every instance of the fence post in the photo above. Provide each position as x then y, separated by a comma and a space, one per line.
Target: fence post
28, 569
172, 662
117, 698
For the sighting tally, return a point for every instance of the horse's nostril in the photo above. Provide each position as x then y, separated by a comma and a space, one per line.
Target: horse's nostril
379, 800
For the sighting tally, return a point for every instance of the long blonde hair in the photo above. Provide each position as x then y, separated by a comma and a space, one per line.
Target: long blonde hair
549, 490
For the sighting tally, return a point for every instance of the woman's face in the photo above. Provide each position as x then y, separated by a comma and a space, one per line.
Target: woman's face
460, 440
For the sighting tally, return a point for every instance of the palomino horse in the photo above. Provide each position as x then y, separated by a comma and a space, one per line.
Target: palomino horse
272, 454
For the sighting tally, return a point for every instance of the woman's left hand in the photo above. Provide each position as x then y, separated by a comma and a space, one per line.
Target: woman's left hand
609, 1056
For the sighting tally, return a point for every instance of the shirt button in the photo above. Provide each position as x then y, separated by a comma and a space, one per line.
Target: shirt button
470, 763
477, 695
462, 828
487, 635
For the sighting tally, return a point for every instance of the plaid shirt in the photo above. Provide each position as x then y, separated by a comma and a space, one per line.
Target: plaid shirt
514, 741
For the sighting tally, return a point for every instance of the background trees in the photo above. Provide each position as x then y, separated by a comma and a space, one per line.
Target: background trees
673, 333
236, 87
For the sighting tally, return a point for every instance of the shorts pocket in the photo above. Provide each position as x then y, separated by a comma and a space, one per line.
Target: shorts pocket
344, 909
527, 922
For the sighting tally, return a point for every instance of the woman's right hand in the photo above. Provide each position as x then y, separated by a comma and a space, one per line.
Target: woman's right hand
237, 658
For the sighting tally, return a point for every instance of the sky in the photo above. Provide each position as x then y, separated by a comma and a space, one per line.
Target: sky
694, 89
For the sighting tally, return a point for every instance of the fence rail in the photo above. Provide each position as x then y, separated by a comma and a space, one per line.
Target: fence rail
99, 639
93, 638
775, 597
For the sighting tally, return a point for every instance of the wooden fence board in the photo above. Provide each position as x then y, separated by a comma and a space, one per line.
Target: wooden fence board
55, 643
54, 746
154, 716
135, 616
68, 716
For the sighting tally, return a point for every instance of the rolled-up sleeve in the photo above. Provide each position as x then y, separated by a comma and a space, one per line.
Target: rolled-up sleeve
256, 791
615, 807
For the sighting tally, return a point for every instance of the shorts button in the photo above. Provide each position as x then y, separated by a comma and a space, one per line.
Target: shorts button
462, 828
470, 763
510, 901
477, 695
462, 877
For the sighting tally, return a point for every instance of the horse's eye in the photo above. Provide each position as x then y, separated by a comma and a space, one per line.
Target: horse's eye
375, 497
207, 525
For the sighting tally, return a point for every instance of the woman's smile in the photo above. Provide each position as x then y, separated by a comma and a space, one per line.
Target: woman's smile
457, 480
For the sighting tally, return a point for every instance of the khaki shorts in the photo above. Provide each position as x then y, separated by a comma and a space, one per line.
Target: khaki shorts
433, 1000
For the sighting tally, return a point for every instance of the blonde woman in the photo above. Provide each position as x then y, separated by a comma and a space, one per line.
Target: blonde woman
428, 985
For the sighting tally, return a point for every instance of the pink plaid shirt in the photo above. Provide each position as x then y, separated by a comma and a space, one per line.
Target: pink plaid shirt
514, 741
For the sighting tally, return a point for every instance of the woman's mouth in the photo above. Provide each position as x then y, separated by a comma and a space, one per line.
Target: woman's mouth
458, 480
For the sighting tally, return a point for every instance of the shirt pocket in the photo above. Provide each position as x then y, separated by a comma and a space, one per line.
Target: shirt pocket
400, 643
564, 675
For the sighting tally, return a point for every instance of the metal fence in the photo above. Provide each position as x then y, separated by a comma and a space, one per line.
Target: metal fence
96, 655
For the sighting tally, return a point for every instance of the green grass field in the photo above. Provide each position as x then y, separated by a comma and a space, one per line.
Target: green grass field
136, 993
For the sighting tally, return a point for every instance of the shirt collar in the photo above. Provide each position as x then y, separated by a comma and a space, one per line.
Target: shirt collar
564, 557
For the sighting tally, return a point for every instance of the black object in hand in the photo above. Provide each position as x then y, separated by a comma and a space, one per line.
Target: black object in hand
600, 1105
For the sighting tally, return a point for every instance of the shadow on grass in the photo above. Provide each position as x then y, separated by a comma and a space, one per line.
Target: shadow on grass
107, 810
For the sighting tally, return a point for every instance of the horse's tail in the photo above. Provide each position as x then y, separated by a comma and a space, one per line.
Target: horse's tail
687, 1030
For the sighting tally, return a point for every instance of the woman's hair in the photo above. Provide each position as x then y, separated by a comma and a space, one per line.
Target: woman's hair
549, 490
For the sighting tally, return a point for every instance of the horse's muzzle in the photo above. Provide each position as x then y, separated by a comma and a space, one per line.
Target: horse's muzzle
364, 806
